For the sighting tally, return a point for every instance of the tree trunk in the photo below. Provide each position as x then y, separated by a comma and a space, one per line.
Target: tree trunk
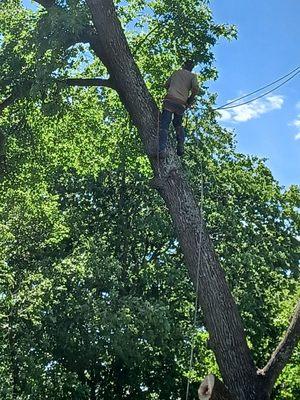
221, 315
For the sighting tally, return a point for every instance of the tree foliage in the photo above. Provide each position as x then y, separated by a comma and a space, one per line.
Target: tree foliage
95, 301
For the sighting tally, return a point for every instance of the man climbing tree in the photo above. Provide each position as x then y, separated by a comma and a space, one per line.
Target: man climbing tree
182, 89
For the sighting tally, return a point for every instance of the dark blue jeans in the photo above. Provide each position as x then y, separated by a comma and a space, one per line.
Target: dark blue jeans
165, 120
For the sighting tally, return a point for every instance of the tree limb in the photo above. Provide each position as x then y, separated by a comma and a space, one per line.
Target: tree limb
46, 3
141, 42
283, 352
88, 82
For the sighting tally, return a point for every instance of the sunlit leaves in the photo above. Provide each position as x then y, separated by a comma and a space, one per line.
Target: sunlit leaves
94, 295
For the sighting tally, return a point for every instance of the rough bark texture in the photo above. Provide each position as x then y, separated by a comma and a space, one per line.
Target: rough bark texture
213, 389
222, 318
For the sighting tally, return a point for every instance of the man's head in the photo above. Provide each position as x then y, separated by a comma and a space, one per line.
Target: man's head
189, 65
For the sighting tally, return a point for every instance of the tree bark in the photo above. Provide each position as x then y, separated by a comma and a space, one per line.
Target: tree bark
222, 318
46, 3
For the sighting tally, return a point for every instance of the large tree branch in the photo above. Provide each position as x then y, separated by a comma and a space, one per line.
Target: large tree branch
88, 82
283, 352
221, 315
46, 3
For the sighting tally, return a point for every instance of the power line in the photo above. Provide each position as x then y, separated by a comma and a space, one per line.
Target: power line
226, 106
260, 89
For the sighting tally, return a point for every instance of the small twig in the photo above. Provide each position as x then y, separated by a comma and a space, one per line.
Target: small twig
142, 41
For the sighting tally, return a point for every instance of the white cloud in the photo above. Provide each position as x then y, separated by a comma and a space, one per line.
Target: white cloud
296, 124
252, 110
297, 136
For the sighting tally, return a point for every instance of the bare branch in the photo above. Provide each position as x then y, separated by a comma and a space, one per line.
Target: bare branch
284, 350
88, 82
88, 35
142, 41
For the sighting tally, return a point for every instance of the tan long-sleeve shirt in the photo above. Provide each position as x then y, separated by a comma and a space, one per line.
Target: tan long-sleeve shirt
180, 84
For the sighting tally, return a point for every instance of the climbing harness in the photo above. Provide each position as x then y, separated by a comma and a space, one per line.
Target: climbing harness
199, 263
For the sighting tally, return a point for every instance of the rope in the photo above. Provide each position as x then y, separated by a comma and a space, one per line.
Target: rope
197, 285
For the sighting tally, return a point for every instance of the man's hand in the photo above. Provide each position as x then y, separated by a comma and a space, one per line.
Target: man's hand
190, 106
190, 101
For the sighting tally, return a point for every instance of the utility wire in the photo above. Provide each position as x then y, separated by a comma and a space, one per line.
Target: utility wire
226, 106
260, 89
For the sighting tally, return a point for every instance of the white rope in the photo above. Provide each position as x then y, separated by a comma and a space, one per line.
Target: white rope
197, 285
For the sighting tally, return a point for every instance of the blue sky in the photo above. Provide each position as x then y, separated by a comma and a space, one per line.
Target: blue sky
267, 48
